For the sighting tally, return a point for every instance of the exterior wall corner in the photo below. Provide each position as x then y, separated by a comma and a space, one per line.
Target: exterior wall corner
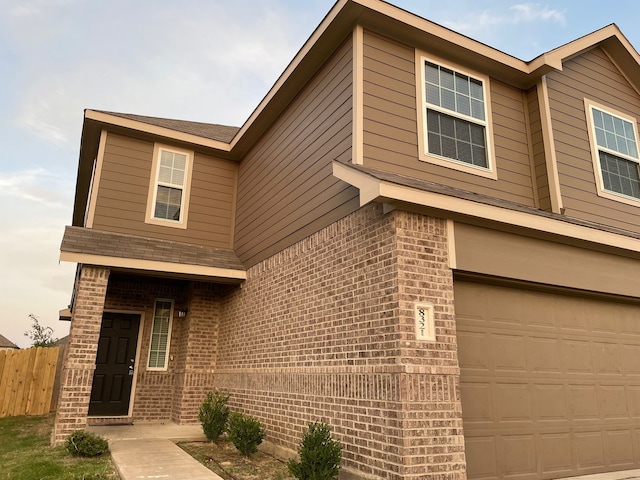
77, 376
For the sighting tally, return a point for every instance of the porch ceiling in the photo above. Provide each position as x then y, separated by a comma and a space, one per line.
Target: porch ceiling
134, 254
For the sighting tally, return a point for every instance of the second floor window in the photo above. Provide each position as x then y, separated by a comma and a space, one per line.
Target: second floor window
456, 118
616, 142
169, 189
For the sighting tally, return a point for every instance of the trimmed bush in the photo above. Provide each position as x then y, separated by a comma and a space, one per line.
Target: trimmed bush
319, 454
246, 433
214, 414
86, 444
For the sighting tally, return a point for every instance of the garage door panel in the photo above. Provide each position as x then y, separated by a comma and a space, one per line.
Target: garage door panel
583, 402
576, 356
550, 383
633, 400
481, 452
627, 322
518, 452
606, 358
631, 359
570, 316
509, 353
543, 355
555, 452
480, 411
514, 402
550, 403
600, 321
589, 450
472, 348
613, 402
619, 448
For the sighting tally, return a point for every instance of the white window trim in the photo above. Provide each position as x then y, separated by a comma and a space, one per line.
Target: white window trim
490, 171
589, 105
153, 188
153, 319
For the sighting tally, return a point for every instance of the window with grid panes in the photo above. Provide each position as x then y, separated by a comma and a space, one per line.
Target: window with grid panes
169, 199
616, 141
456, 118
160, 335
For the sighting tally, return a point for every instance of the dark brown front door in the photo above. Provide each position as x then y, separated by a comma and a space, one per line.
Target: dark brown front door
114, 372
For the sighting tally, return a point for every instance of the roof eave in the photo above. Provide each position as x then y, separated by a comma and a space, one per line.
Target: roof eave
377, 190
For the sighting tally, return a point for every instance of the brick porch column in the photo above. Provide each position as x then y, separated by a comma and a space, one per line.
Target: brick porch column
77, 374
197, 352
433, 439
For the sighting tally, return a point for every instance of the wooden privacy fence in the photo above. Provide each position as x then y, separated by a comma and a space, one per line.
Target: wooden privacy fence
27, 380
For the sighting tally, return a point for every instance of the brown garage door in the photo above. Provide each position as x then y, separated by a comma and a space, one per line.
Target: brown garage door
550, 382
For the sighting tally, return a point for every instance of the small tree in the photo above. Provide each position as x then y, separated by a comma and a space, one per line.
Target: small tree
319, 454
214, 414
40, 335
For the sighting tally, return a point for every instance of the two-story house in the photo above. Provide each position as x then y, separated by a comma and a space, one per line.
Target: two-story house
428, 244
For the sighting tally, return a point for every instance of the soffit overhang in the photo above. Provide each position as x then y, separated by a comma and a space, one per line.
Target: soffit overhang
149, 256
447, 202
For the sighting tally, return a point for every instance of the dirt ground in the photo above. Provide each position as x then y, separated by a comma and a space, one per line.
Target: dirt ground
223, 459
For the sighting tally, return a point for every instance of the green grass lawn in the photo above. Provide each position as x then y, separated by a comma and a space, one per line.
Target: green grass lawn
25, 454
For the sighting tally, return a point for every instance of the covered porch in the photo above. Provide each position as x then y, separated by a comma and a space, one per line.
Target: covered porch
143, 335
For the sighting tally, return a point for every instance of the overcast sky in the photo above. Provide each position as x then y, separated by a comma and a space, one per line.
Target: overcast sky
202, 60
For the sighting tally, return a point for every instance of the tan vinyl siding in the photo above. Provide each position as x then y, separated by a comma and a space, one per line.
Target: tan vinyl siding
286, 189
537, 143
124, 187
591, 75
391, 129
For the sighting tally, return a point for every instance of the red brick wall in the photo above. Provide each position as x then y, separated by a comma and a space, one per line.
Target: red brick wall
430, 387
174, 394
324, 331
80, 362
198, 344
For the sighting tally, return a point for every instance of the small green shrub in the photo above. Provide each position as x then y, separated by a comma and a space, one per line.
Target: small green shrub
86, 444
214, 414
246, 433
319, 454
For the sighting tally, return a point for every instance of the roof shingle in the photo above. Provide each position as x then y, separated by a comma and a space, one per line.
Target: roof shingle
96, 242
6, 343
212, 131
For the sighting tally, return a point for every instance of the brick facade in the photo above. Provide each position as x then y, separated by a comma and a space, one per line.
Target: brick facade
174, 394
80, 361
324, 330
159, 396
196, 351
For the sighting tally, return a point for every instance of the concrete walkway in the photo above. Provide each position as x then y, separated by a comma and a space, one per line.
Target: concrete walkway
148, 451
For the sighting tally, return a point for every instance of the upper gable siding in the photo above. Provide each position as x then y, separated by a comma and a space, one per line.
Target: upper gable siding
541, 180
391, 129
286, 188
124, 186
591, 75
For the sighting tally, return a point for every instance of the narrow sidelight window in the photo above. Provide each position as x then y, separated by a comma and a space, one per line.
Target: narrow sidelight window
160, 335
